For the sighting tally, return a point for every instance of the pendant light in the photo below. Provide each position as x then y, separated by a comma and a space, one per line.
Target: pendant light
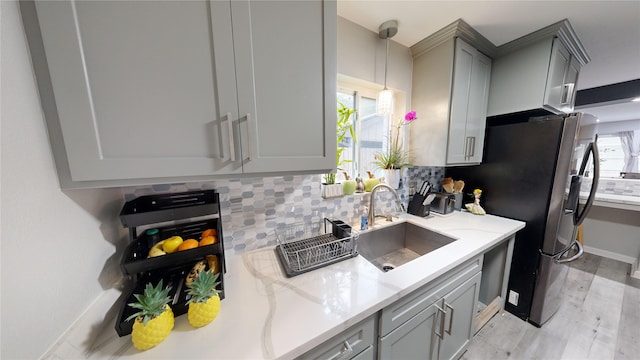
385, 99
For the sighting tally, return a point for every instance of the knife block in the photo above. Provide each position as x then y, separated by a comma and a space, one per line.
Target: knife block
416, 208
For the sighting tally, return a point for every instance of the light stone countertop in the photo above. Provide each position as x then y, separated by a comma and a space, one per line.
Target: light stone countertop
266, 315
623, 202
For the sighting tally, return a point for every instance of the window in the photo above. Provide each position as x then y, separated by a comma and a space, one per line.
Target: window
371, 129
611, 155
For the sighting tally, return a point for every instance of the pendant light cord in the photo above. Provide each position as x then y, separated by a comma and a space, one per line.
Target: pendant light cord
386, 63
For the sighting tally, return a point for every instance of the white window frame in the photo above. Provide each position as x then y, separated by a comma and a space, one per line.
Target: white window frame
362, 88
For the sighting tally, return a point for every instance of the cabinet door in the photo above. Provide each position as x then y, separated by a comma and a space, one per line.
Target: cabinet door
286, 84
570, 80
459, 306
557, 92
414, 339
135, 87
354, 343
367, 354
472, 73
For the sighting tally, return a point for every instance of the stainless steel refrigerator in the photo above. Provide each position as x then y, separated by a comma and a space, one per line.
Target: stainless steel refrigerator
529, 173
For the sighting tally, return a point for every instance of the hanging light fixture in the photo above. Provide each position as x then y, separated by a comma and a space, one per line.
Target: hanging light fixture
385, 99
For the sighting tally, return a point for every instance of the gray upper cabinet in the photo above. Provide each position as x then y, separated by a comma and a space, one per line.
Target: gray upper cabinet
451, 85
472, 73
161, 91
285, 67
537, 71
564, 68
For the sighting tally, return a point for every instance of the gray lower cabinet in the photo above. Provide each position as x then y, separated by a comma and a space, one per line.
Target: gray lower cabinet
357, 342
140, 92
414, 339
435, 322
458, 319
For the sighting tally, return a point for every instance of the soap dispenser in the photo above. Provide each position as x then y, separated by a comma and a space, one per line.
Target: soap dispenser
364, 219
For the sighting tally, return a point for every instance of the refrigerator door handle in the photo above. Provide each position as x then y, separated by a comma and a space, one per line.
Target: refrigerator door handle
578, 217
558, 259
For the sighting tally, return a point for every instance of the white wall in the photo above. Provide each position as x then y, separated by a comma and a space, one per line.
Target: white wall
58, 249
361, 55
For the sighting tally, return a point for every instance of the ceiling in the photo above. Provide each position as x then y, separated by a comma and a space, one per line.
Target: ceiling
608, 30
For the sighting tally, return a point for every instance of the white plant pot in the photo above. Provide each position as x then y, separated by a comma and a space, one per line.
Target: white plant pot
392, 177
331, 191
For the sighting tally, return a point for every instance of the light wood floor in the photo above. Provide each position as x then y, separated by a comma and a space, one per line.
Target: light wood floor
599, 320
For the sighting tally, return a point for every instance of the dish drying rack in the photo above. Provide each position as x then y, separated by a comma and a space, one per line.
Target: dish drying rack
303, 247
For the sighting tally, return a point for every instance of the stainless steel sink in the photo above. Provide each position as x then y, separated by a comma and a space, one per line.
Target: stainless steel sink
393, 246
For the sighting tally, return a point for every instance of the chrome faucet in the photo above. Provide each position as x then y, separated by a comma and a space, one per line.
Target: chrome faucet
372, 202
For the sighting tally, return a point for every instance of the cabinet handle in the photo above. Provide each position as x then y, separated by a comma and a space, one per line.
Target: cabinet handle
567, 93
346, 353
441, 334
250, 136
232, 146
469, 148
450, 317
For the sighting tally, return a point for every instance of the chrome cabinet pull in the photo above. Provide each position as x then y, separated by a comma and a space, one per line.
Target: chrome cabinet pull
346, 353
232, 146
567, 93
467, 140
250, 136
441, 334
450, 317
469, 147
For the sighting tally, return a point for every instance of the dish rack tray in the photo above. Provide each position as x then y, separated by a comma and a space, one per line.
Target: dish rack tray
304, 247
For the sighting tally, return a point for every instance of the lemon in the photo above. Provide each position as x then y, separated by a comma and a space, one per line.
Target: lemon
171, 244
156, 252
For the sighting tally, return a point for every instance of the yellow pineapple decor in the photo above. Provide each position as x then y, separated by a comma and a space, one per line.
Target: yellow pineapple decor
155, 320
204, 304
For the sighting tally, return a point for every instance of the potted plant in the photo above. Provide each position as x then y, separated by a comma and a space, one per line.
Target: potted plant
348, 185
343, 124
396, 157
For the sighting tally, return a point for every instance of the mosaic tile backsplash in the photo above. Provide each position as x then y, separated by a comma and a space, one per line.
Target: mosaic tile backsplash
252, 208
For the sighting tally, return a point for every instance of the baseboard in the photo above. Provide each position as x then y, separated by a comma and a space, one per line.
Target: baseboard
610, 255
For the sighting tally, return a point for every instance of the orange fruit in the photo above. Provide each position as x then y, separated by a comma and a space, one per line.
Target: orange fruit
208, 240
188, 244
209, 232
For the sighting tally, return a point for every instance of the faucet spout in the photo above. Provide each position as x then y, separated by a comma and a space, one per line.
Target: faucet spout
372, 201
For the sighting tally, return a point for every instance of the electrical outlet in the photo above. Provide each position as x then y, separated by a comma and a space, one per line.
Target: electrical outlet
513, 297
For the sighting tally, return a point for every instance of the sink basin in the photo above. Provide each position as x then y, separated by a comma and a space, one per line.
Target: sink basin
393, 246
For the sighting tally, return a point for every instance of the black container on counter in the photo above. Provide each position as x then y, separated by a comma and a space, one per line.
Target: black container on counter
185, 214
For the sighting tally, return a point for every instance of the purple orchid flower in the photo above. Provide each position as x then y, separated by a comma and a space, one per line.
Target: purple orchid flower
410, 116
